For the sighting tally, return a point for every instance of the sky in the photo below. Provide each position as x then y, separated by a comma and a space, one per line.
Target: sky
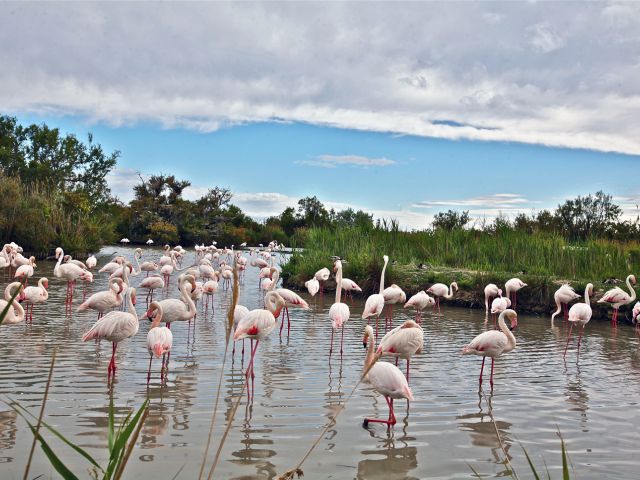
400, 109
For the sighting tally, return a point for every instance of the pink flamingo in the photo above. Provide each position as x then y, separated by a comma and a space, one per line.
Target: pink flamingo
115, 327
155, 282
34, 295
291, 299
159, 339
239, 313
404, 341
112, 266
257, 325
494, 343
563, 296
385, 378
491, 291
580, 314
322, 276
339, 312
16, 314
25, 272
69, 272
375, 303
91, 262
420, 301
635, 313
440, 290
512, 287
349, 286
313, 286
498, 306
392, 295
618, 297
105, 300
209, 288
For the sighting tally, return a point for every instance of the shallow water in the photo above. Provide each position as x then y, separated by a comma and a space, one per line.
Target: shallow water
444, 431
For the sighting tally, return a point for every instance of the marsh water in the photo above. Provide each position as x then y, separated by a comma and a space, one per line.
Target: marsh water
442, 434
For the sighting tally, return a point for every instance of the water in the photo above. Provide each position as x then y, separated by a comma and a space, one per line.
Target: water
446, 429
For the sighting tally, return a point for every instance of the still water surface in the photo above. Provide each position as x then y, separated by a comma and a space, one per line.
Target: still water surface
446, 429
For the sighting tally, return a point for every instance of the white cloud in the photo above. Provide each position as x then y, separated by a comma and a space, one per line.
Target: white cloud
332, 161
497, 200
548, 73
121, 182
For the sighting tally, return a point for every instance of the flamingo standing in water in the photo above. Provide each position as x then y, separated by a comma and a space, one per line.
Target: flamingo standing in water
440, 290
91, 262
25, 272
34, 295
322, 276
257, 325
313, 286
291, 299
491, 291
498, 306
349, 286
105, 300
404, 341
512, 286
159, 339
392, 295
115, 327
618, 297
375, 303
339, 312
493, 343
563, 296
385, 378
580, 314
420, 301
16, 314
69, 272
155, 282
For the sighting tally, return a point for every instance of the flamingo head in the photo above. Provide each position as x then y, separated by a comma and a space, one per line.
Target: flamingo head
132, 292
368, 332
513, 316
454, 285
45, 283
633, 279
152, 312
58, 252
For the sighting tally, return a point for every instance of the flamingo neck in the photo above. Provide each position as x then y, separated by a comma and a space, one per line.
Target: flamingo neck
191, 306
338, 281
631, 290
382, 276
274, 280
370, 358
130, 306
56, 269
158, 318
510, 336
273, 302
559, 305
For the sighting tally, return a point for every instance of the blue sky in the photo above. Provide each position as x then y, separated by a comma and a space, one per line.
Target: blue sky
389, 110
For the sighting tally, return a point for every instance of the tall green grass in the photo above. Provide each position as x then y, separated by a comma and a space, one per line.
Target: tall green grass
508, 251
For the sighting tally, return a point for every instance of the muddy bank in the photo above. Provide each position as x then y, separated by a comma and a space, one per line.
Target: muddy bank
536, 298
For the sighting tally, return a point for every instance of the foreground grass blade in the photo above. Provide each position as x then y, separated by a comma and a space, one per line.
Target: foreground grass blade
111, 425
9, 305
60, 467
533, 468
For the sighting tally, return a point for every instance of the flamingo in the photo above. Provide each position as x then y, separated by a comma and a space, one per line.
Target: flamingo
291, 299
68, 272
618, 297
210, 287
239, 313
165, 259
494, 343
183, 309
91, 262
375, 303
159, 339
339, 312
392, 295
563, 296
420, 301
511, 287
313, 286
349, 286
227, 275
491, 291
24, 272
112, 266
154, 282
16, 314
635, 313
440, 290
322, 276
404, 341
34, 295
385, 378
115, 327
257, 325
580, 314
105, 300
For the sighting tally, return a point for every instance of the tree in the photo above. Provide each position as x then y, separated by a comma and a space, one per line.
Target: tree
590, 216
450, 220
312, 211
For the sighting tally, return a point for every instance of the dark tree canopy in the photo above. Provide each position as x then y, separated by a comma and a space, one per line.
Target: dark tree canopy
450, 220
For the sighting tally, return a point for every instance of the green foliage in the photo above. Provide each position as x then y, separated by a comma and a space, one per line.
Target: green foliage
450, 220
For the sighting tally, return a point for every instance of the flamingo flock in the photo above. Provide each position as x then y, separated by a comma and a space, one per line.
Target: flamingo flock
117, 319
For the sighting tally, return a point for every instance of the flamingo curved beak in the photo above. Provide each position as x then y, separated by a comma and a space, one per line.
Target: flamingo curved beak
514, 324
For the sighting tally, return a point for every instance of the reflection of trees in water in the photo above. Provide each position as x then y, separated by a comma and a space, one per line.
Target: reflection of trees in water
8, 429
483, 434
577, 397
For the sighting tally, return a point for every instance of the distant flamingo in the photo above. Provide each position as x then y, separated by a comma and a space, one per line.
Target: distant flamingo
386, 379
375, 303
618, 297
493, 343
322, 276
491, 291
239, 313
91, 262
512, 287
209, 288
291, 299
313, 286
440, 290
183, 309
339, 312
105, 300
349, 286
115, 327
498, 306
159, 339
16, 314
257, 325
580, 314
563, 296
112, 266
420, 301
155, 282
404, 341
34, 295
392, 295
68, 272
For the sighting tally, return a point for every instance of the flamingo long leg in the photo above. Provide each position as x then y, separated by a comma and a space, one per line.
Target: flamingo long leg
481, 370
568, 338
149, 370
493, 360
579, 339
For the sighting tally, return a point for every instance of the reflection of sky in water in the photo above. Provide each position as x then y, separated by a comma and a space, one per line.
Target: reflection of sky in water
297, 390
